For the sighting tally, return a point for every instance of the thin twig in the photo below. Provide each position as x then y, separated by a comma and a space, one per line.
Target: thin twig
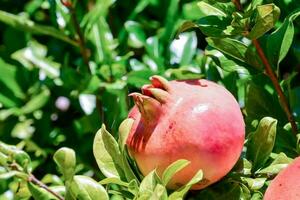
81, 40
35, 181
237, 4
83, 49
30, 178
274, 79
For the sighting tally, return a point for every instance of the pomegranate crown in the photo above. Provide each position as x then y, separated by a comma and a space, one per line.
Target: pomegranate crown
152, 97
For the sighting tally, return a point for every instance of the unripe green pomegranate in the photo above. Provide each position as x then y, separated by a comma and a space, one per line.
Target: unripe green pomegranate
196, 120
286, 185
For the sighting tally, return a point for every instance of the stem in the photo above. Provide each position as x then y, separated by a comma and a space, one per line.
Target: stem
276, 84
273, 77
31, 178
35, 181
237, 4
81, 41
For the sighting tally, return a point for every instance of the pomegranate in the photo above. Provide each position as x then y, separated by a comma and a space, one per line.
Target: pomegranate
286, 185
196, 120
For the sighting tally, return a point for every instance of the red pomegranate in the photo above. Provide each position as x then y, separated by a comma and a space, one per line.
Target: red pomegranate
196, 120
286, 185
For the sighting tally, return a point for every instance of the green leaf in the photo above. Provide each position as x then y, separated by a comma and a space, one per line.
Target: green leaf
256, 106
244, 192
225, 189
223, 1
257, 91
183, 49
99, 34
87, 103
52, 179
266, 17
257, 196
280, 162
124, 130
113, 180
215, 18
60, 13
298, 143
23, 191
27, 25
9, 79
99, 10
7, 102
159, 193
239, 24
133, 187
139, 7
35, 55
186, 26
154, 50
23, 159
243, 166
128, 171
181, 192
12, 153
253, 5
226, 64
39, 193
136, 65
148, 184
107, 154
280, 41
139, 78
294, 96
23, 130
231, 47
136, 35
170, 22
5, 175
59, 189
261, 142
172, 169
190, 11
213, 26
254, 183
115, 94
36, 102
208, 9
252, 58
285, 140
184, 73
65, 159
85, 188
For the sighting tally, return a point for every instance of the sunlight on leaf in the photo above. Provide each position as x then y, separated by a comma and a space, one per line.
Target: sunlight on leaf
261, 142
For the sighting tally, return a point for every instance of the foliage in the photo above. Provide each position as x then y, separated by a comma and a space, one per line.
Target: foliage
67, 67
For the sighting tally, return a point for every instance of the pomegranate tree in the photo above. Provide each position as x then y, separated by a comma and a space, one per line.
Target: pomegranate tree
196, 120
286, 185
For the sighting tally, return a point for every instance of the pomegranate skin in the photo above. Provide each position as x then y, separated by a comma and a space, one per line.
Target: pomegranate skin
286, 185
196, 120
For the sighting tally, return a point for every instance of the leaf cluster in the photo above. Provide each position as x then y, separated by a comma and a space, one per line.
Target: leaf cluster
51, 98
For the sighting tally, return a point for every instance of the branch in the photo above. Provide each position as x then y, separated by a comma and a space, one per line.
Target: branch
35, 181
30, 178
237, 4
273, 77
81, 40
276, 84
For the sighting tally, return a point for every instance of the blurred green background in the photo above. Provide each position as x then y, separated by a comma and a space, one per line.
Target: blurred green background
64, 72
